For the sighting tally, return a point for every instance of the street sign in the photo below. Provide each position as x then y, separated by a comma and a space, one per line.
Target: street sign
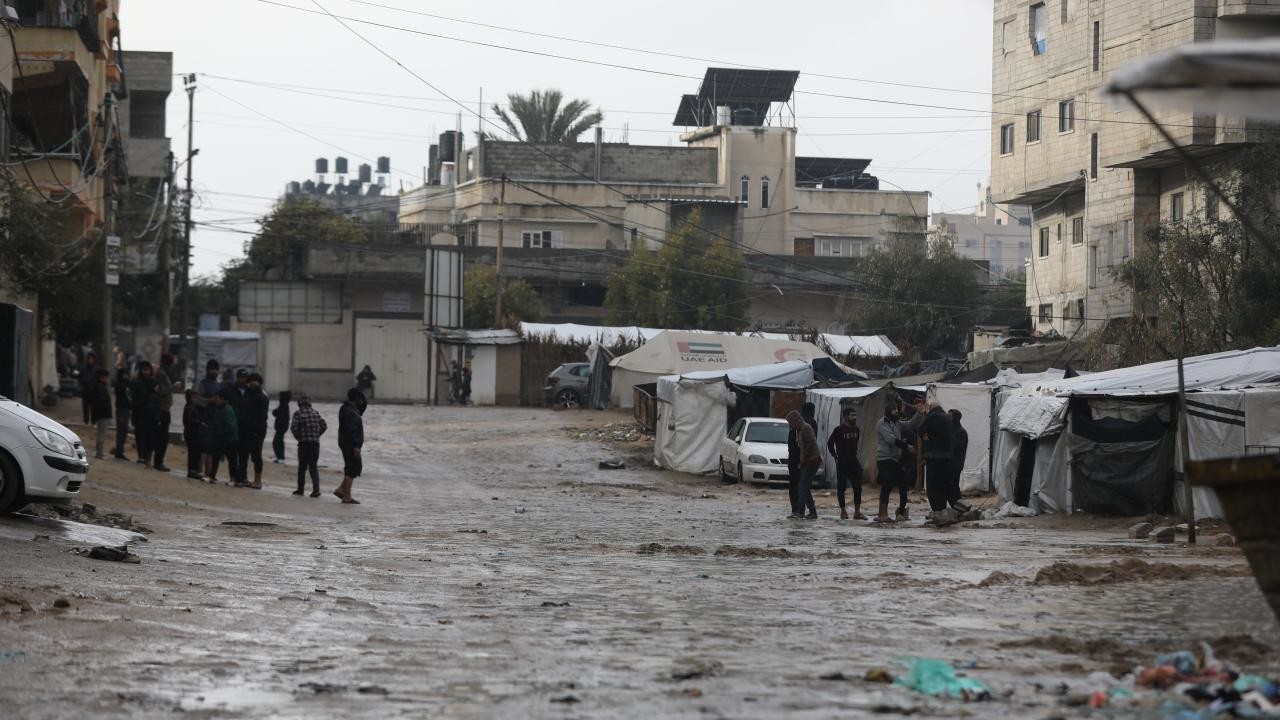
113, 260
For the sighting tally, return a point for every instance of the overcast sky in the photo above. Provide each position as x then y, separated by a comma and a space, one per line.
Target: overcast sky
354, 101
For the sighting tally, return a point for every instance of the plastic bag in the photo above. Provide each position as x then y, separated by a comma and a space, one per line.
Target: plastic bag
938, 679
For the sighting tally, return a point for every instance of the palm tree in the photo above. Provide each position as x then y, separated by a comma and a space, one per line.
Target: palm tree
540, 117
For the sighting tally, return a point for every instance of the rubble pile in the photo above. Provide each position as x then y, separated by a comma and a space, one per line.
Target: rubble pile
620, 432
89, 514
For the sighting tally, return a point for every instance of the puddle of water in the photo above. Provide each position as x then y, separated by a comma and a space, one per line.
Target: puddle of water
236, 697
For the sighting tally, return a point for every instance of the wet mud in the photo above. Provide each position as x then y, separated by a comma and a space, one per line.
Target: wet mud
494, 571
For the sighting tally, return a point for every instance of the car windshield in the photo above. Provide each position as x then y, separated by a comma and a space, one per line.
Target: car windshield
767, 433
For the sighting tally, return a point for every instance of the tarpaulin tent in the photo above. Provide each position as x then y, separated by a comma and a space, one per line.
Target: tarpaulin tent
973, 400
233, 349
1118, 448
830, 403
693, 409
673, 352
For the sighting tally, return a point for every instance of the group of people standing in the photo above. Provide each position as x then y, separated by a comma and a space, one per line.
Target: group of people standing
144, 400
228, 421
943, 443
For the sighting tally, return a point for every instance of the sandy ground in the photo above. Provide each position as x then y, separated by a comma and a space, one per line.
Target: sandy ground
494, 571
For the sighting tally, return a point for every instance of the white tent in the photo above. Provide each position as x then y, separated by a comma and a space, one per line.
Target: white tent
830, 403
693, 410
673, 352
876, 346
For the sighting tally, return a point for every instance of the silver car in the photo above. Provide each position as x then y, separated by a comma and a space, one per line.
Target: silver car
567, 384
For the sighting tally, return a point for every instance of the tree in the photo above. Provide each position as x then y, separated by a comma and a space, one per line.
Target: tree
279, 250
1202, 284
695, 282
927, 296
520, 302
540, 118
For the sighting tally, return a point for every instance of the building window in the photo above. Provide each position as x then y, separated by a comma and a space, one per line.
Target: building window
1080, 308
1058, 233
543, 239
1097, 45
840, 247
1033, 127
1175, 207
745, 195
1093, 156
1006, 37
1210, 207
803, 247
1044, 242
1046, 313
1077, 231
1126, 238
1006, 139
1038, 29
1093, 266
764, 193
1067, 116
1066, 10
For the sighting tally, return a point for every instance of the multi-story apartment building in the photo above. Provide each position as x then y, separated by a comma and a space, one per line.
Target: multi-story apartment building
1097, 178
996, 234
738, 167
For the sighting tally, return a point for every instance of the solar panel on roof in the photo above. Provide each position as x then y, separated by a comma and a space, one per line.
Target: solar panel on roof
814, 170
736, 85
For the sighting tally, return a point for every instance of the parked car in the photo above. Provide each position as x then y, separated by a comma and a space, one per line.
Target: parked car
40, 460
755, 449
567, 384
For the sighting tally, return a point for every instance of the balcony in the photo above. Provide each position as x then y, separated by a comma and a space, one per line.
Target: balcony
78, 15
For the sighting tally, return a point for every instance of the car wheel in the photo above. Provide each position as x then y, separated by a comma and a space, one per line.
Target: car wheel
741, 477
724, 476
10, 485
567, 396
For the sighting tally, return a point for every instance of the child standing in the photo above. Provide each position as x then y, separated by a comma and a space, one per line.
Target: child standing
281, 414
307, 427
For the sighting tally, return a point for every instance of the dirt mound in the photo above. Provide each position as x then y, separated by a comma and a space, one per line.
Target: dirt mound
1121, 657
1242, 650
1069, 573
660, 549
755, 552
1126, 550
999, 577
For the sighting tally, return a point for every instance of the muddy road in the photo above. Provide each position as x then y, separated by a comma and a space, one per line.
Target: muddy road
493, 571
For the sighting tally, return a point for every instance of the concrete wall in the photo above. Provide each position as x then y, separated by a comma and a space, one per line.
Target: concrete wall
617, 163
1006, 246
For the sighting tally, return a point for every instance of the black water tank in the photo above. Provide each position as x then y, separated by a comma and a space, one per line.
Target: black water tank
448, 146
309, 186
384, 166
295, 188
340, 165
322, 166
366, 173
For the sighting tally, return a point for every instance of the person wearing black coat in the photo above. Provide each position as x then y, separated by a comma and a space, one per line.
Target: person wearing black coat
959, 449
99, 396
193, 422
251, 417
808, 413
145, 406
936, 431
281, 414
123, 412
350, 440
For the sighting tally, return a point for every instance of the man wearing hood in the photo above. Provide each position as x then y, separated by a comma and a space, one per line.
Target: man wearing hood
350, 440
937, 430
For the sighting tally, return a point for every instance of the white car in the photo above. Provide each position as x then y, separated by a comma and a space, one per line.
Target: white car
40, 460
755, 449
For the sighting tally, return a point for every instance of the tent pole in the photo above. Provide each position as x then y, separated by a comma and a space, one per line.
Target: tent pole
1188, 499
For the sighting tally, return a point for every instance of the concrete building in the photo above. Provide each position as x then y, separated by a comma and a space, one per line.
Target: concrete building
1098, 180
66, 135
738, 166
997, 234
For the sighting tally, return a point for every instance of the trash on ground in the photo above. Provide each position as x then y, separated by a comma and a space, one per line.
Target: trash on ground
1009, 509
11, 655
936, 678
878, 675
113, 554
695, 668
612, 465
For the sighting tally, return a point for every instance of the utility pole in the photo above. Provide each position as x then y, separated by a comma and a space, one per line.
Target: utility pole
165, 261
497, 281
185, 322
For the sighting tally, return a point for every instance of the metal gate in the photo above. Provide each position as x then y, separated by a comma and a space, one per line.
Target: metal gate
397, 351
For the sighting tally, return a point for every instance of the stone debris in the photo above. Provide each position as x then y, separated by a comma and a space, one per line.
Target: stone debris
1163, 534
613, 433
696, 668
113, 554
659, 548
1140, 531
88, 513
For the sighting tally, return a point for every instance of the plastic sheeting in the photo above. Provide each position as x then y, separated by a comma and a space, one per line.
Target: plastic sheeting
1240, 78
1034, 416
974, 404
1050, 481
1234, 369
1122, 456
691, 425
830, 403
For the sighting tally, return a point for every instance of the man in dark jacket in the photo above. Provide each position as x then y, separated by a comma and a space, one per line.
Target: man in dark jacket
307, 427
843, 446
807, 413
164, 412
123, 411
936, 431
959, 449
144, 403
100, 409
281, 414
350, 440
251, 419
810, 460
208, 387
88, 378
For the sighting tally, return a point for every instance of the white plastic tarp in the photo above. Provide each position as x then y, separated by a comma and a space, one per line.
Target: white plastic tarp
1233, 369
692, 421
974, 403
232, 349
865, 345
1224, 424
829, 404
1051, 479
1034, 416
